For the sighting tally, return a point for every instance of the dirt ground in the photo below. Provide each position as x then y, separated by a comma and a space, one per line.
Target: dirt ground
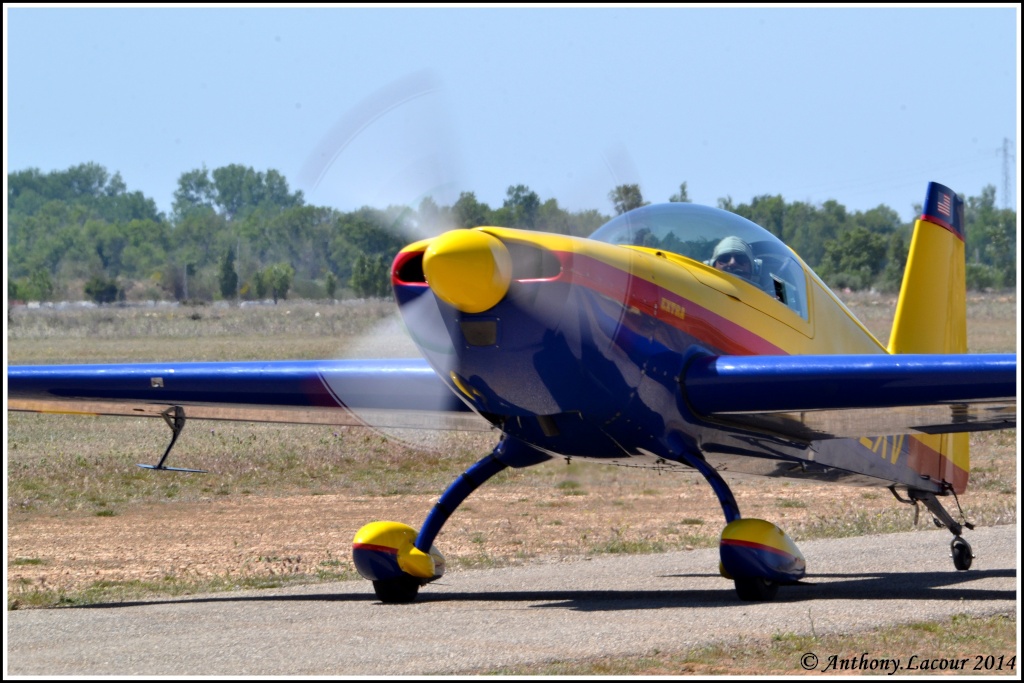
232, 540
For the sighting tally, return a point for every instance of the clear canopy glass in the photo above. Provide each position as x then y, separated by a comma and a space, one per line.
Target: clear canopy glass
694, 231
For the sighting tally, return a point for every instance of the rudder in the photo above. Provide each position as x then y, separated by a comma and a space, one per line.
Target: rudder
931, 313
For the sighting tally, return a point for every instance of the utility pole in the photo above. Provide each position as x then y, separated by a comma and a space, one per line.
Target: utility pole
1008, 183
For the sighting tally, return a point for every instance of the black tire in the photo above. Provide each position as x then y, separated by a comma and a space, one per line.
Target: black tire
397, 591
962, 555
756, 589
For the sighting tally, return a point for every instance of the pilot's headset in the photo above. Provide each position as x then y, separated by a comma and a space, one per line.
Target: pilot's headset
735, 245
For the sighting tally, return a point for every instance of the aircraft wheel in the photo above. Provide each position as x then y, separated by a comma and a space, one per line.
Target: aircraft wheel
962, 555
756, 589
402, 589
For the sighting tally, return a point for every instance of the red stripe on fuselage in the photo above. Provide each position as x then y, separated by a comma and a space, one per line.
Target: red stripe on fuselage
756, 546
375, 548
925, 460
717, 331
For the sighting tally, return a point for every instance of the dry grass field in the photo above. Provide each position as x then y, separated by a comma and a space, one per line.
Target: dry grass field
281, 503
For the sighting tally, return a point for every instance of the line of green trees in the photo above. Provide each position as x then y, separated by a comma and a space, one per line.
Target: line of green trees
237, 233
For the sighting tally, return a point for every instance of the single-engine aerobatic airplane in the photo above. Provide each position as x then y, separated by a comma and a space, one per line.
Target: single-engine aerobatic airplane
677, 335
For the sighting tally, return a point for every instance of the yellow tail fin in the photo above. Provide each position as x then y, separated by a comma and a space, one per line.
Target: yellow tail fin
931, 314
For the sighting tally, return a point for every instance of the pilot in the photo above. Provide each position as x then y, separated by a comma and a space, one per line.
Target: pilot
734, 256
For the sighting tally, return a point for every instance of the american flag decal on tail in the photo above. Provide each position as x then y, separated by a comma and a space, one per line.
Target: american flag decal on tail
943, 207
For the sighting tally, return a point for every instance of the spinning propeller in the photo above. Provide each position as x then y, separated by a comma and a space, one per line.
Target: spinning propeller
416, 159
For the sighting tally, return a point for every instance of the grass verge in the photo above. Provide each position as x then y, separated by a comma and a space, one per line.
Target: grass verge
967, 645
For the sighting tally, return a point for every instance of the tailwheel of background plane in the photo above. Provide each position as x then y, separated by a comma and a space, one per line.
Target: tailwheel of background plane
962, 554
397, 591
756, 589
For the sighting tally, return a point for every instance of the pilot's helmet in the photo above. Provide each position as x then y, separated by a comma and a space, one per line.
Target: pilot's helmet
733, 245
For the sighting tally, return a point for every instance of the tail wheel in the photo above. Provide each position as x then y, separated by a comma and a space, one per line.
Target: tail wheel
962, 554
400, 590
756, 589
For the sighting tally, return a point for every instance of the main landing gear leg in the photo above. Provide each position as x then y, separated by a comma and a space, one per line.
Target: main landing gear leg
754, 553
397, 559
722, 490
963, 556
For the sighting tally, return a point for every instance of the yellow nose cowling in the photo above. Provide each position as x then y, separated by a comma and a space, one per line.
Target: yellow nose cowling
469, 269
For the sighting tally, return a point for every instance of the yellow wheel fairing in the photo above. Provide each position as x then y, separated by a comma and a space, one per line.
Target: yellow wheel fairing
385, 550
415, 562
385, 534
756, 548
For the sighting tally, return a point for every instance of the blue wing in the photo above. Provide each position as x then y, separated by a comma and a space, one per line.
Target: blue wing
837, 396
381, 393
814, 397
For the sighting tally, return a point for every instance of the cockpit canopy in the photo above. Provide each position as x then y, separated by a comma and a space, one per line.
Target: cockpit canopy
693, 231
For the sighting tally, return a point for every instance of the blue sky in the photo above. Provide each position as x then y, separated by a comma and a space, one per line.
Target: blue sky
371, 106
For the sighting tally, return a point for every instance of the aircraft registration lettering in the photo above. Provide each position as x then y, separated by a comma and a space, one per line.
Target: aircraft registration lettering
672, 308
888, 447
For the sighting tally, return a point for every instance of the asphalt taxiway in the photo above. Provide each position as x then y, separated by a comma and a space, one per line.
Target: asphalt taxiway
480, 620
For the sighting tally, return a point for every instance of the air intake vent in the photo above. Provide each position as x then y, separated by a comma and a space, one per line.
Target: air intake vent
408, 268
530, 262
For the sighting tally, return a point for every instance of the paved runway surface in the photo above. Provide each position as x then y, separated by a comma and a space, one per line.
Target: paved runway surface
472, 620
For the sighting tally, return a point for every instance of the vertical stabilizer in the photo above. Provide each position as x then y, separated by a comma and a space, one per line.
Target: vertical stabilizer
931, 316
